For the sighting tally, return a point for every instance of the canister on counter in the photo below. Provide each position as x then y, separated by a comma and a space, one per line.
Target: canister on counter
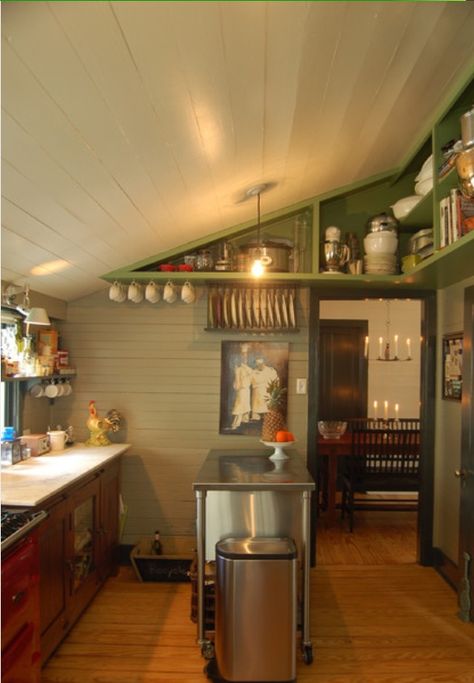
11, 451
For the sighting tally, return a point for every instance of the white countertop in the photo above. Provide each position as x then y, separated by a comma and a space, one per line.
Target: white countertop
32, 481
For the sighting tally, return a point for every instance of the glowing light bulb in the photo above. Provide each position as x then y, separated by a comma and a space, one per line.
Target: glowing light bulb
257, 268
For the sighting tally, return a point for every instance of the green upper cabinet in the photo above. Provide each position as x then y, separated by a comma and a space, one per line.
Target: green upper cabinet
300, 229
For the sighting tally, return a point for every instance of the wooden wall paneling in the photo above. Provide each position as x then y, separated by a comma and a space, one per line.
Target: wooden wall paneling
157, 366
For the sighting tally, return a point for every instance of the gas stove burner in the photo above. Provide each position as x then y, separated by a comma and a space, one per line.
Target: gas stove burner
18, 523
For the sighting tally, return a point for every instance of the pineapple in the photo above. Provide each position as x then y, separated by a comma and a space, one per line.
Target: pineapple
273, 420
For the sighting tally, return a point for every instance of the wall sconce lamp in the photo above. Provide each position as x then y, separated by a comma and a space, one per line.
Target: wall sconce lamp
34, 315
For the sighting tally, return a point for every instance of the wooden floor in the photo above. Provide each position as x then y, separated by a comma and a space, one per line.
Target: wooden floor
376, 618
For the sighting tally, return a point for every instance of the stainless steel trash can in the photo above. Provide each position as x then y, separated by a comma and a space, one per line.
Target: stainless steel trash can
256, 596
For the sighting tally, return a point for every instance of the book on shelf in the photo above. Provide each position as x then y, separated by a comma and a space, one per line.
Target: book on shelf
456, 216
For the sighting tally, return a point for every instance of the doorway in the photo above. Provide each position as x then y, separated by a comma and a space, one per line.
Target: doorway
424, 401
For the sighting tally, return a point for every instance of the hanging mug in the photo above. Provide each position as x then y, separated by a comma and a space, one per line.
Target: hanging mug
51, 390
169, 293
152, 293
117, 292
188, 295
135, 292
37, 390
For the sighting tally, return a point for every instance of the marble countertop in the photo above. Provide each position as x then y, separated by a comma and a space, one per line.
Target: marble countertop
30, 482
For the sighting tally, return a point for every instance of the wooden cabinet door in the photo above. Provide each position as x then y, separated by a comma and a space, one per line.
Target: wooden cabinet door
54, 577
83, 546
109, 519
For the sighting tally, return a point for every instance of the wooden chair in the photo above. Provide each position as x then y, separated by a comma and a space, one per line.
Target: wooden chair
384, 458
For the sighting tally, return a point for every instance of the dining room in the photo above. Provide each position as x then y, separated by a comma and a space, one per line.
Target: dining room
369, 371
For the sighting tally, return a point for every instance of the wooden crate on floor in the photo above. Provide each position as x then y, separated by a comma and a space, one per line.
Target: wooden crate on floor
209, 593
173, 564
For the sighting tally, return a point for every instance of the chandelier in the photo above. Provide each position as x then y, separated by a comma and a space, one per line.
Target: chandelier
385, 347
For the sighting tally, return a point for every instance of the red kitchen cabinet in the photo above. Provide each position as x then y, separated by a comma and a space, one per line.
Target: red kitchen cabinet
20, 613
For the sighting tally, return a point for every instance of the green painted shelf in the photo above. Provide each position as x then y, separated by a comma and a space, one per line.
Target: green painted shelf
421, 216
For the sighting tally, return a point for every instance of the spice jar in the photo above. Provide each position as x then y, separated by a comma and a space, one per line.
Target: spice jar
204, 260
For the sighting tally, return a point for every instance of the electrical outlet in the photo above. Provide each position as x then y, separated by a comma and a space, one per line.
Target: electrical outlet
301, 384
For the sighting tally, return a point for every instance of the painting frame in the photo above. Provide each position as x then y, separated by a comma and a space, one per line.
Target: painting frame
452, 357
246, 369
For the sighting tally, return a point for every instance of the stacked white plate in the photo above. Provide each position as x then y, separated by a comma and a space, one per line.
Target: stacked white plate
380, 264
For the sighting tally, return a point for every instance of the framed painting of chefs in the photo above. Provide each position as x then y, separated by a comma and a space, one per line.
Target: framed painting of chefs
247, 368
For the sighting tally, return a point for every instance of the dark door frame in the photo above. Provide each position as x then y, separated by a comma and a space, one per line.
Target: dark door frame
465, 580
427, 401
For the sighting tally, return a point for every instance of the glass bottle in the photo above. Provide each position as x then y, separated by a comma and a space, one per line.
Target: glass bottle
156, 547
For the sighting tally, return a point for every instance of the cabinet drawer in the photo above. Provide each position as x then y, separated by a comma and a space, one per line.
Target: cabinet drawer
20, 588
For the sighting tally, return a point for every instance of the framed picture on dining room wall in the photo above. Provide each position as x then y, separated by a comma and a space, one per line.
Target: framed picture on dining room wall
452, 366
247, 368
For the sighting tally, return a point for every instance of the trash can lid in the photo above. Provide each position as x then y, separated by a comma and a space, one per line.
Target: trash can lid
257, 548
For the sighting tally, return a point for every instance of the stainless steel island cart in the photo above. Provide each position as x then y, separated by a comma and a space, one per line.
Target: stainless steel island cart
242, 493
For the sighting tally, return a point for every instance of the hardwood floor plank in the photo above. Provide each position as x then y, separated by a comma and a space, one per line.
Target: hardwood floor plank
371, 622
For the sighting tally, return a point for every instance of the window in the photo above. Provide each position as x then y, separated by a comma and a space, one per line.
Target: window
10, 397
10, 390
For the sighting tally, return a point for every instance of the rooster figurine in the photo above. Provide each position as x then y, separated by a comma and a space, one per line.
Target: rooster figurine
99, 426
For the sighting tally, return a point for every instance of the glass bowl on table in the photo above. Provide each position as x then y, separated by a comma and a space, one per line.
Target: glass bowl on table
332, 429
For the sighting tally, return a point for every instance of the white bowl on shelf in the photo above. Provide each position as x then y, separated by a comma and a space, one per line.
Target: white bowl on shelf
422, 187
380, 243
406, 204
426, 171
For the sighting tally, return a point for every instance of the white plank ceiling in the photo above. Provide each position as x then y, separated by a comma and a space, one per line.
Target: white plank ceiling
129, 128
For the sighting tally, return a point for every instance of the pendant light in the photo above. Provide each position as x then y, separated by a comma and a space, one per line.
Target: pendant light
257, 268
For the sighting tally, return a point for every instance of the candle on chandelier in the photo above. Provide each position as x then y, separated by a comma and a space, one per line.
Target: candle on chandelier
366, 347
385, 410
380, 346
395, 339
408, 348
376, 405
396, 410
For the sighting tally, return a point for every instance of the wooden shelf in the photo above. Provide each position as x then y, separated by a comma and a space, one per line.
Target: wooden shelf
30, 378
444, 268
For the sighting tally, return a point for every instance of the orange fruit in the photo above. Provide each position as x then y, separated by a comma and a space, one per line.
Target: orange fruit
283, 436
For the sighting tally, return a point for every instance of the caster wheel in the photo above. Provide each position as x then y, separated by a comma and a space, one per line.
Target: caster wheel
211, 670
308, 654
207, 650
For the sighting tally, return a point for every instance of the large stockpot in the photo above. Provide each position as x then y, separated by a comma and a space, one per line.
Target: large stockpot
273, 255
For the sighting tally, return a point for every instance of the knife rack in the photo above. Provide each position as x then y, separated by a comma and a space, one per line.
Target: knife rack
251, 309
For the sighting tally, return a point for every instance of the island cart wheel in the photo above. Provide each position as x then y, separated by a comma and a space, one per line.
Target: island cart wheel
207, 649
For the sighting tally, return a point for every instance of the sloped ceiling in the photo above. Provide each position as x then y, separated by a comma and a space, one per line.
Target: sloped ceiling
129, 128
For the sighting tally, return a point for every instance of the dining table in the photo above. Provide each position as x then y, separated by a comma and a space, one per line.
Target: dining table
333, 449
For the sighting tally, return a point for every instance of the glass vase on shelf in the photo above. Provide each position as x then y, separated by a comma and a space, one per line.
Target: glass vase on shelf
27, 365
